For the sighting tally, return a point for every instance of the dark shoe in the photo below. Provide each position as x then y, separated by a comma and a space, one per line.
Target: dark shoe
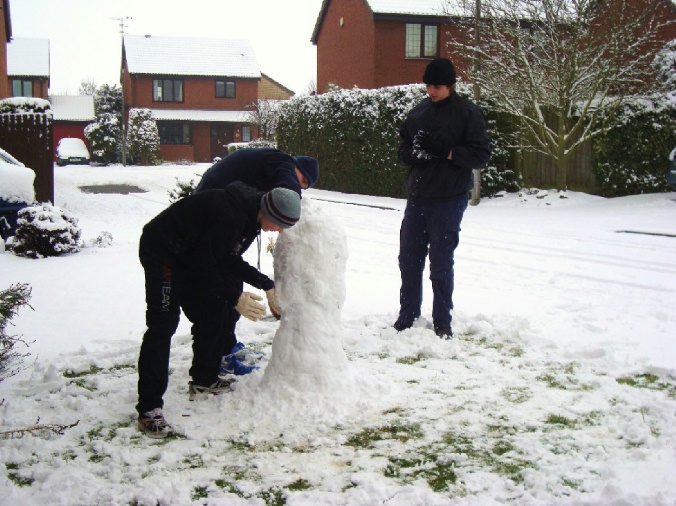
399, 326
195, 390
443, 331
153, 424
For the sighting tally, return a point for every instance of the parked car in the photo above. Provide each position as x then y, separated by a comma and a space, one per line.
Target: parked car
71, 150
671, 170
16, 191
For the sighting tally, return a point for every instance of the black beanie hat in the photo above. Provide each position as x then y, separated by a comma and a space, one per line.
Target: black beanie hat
281, 206
439, 71
309, 167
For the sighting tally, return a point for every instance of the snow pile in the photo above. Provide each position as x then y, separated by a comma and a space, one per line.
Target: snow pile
16, 183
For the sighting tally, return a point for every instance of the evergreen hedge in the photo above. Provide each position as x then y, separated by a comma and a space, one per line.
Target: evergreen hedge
632, 157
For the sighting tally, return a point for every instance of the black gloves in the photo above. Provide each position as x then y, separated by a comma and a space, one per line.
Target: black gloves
431, 145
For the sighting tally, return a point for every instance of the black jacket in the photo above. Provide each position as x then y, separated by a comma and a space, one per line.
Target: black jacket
457, 123
207, 233
262, 168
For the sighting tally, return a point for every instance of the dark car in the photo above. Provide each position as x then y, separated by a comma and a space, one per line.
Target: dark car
71, 150
671, 170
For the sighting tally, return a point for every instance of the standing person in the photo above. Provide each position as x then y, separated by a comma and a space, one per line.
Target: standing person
208, 231
264, 169
442, 140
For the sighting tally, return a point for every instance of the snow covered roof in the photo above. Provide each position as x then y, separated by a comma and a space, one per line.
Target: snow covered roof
413, 7
200, 115
28, 57
190, 56
73, 107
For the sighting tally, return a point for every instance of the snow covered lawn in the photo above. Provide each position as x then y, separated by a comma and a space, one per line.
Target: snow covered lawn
558, 388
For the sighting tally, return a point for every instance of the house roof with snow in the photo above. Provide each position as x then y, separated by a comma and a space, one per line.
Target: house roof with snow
72, 107
28, 57
181, 56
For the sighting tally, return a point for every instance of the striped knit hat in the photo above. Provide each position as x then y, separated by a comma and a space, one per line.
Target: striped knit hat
281, 206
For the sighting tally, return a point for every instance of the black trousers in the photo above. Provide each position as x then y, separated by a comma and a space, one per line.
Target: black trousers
167, 286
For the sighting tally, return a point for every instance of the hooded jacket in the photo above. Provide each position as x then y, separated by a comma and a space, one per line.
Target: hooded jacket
262, 168
457, 123
206, 235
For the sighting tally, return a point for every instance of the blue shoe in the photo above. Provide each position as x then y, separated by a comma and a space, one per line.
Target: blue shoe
232, 365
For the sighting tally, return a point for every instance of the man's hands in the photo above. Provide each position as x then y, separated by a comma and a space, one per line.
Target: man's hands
431, 146
248, 306
273, 304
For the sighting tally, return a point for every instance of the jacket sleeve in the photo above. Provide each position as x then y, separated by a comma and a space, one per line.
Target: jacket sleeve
405, 151
475, 150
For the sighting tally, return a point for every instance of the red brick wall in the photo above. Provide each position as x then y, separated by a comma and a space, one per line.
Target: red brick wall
345, 54
198, 93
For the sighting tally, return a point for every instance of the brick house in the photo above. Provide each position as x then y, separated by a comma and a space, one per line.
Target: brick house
375, 43
71, 114
199, 92
28, 68
5, 37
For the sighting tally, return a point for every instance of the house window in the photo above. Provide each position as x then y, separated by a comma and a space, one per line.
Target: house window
246, 134
167, 90
225, 89
421, 41
22, 88
174, 133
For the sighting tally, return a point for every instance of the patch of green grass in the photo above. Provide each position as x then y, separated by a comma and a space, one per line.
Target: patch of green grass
15, 477
199, 493
367, 437
273, 497
410, 360
651, 382
516, 395
83, 383
299, 484
194, 461
553, 419
69, 373
437, 474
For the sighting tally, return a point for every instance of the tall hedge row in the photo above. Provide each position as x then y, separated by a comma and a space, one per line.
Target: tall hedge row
354, 134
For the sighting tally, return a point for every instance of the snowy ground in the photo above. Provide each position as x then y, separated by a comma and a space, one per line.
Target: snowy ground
559, 388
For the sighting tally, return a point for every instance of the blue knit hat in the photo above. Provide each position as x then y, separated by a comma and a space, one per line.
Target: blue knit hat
309, 167
281, 206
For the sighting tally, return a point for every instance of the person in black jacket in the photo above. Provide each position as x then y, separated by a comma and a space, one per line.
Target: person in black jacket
264, 169
208, 231
441, 141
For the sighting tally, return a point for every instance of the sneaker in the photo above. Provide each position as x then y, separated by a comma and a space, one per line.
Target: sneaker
400, 326
233, 365
196, 390
153, 424
443, 331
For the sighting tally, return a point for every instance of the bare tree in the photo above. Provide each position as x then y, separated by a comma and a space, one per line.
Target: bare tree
88, 87
561, 66
264, 114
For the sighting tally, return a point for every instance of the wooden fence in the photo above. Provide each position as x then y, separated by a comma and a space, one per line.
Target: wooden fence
27, 136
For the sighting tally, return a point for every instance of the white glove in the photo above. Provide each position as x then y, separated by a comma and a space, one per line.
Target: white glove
273, 304
249, 308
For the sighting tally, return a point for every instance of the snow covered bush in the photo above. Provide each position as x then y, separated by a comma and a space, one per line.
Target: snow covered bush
143, 137
183, 189
354, 134
11, 300
44, 230
104, 138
